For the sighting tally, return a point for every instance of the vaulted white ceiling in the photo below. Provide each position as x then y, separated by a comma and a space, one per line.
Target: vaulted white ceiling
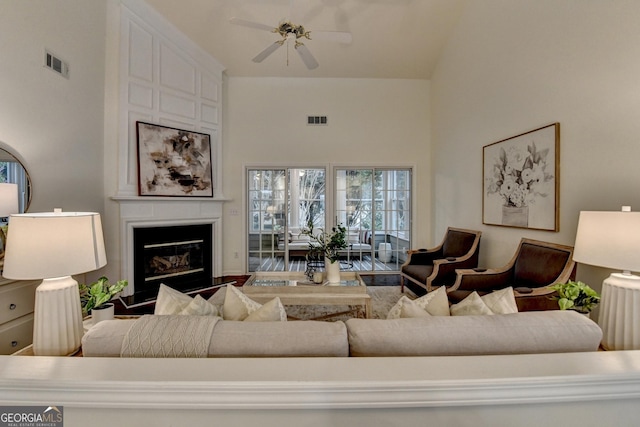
391, 38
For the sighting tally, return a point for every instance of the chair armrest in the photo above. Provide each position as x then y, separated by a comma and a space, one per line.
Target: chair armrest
422, 256
535, 292
444, 271
481, 279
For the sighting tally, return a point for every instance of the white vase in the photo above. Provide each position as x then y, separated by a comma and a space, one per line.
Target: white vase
104, 312
333, 271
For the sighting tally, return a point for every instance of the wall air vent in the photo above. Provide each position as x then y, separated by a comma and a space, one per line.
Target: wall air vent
317, 120
56, 64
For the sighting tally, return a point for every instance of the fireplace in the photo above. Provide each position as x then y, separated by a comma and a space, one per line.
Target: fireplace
158, 217
179, 256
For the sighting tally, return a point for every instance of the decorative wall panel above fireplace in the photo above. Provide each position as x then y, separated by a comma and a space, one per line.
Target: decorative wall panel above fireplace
164, 78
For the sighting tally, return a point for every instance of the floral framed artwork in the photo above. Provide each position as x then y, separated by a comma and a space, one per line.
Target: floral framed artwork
173, 162
521, 180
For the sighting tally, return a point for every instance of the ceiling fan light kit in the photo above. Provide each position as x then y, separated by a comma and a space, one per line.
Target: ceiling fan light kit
290, 31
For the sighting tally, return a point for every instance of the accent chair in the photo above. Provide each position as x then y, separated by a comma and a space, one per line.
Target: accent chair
432, 268
533, 267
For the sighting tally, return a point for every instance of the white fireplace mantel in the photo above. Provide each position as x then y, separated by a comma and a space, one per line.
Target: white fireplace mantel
137, 212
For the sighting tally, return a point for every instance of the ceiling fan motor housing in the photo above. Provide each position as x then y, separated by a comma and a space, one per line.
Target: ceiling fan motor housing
287, 28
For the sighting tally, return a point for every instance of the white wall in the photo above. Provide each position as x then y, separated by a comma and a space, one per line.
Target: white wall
371, 122
512, 67
55, 124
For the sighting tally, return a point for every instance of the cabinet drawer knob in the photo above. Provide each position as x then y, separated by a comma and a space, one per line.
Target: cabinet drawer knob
12, 306
14, 343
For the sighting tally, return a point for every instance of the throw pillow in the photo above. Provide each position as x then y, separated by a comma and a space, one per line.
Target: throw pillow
237, 306
501, 302
471, 305
435, 303
199, 307
411, 309
170, 301
271, 311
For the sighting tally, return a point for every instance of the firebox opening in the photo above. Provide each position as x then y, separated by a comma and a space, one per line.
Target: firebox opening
178, 256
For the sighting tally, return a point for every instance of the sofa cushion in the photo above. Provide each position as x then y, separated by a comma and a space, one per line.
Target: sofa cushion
519, 333
306, 338
105, 338
239, 339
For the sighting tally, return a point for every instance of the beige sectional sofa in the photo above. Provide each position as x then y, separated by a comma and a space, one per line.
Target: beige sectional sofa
518, 333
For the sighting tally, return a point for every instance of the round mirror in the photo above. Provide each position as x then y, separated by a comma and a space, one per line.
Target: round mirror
13, 171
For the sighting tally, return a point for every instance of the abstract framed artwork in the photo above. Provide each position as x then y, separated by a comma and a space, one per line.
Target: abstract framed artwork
173, 162
521, 180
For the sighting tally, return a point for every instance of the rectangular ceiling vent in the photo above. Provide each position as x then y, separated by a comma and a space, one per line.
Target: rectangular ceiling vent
56, 64
317, 120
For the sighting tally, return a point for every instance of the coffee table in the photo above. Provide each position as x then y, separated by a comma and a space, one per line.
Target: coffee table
295, 289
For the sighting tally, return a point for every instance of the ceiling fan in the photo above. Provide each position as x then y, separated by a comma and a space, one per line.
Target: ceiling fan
289, 31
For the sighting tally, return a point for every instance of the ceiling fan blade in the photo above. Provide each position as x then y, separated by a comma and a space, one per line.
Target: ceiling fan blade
251, 24
268, 51
306, 56
332, 36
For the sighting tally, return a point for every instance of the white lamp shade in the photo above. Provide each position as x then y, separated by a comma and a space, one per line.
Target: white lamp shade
609, 239
54, 244
8, 199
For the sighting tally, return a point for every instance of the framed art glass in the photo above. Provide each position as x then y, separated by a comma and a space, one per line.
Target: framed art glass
521, 180
173, 162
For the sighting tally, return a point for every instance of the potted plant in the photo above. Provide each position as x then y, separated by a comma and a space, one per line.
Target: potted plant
328, 245
95, 298
576, 296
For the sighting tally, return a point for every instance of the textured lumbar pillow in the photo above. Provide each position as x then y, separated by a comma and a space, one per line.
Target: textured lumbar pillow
434, 303
501, 302
170, 301
270, 311
411, 309
199, 307
471, 305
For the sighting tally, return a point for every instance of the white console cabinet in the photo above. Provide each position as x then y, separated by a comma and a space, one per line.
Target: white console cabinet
17, 300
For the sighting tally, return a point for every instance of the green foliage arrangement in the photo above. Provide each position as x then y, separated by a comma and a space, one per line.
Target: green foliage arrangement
576, 296
327, 244
99, 293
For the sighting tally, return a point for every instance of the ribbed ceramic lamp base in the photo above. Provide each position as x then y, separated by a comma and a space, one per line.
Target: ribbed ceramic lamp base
57, 328
619, 311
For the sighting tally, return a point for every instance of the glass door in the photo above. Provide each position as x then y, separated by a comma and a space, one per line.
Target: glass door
281, 202
266, 214
374, 205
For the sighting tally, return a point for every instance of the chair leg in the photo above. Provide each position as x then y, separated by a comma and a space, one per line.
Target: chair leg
401, 284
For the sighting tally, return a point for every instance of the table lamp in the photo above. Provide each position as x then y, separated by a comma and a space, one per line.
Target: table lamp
52, 246
612, 240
